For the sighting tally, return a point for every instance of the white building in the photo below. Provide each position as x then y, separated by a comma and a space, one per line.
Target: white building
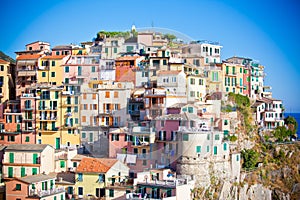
196, 88
268, 113
174, 82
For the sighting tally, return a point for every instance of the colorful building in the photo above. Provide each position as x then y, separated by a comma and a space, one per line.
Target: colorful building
40, 186
101, 177
22, 160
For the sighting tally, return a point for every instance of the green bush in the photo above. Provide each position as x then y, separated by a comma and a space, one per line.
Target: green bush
250, 158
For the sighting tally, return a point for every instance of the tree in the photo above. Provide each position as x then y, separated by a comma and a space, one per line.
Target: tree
282, 134
250, 158
170, 37
291, 123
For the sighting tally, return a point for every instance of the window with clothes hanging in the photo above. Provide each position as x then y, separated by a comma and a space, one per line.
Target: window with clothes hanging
80, 177
101, 178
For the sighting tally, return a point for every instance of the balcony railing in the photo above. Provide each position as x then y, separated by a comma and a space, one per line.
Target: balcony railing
43, 193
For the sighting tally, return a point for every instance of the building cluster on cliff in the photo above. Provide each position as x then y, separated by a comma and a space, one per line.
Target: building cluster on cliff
124, 117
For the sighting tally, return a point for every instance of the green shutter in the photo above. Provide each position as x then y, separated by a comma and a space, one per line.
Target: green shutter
10, 172
23, 172
215, 150
11, 157
185, 137
43, 185
207, 148
34, 171
34, 158
62, 163
198, 149
225, 146
106, 50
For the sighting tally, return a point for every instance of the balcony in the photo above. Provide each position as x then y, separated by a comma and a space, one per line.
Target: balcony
28, 108
44, 193
45, 129
28, 119
53, 118
26, 73
28, 130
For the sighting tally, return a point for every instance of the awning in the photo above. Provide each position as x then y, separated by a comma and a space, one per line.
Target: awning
26, 73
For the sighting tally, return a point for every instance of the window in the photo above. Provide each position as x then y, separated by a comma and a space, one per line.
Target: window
237, 158
23, 172
62, 164
225, 122
190, 109
67, 69
215, 150
198, 149
67, 80
80, 177
207, 148
74, 164
83, 119
185, 137
217, 137
91, 138
192, 81
101, 178
35, 158
93, 68
34, 171
106, 50
164, 62
52, 74
225, 146
56, 95
192, 93
206, 60
11, 157
83, 135
107, 94
144, 162
27, 139
111, 193
115, 50
18, 187
43, 74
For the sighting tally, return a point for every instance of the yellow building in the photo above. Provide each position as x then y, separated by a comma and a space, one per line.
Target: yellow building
7, 83
101, 177
214, 78
50, 70
232, 78
57, 117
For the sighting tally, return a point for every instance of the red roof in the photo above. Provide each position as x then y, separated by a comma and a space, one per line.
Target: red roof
3, 61
95, 165
29, 57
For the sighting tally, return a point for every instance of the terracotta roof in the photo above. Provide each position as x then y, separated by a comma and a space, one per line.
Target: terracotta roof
54, 57
3, 61
29, 57
95, 165
168, 72
127, 58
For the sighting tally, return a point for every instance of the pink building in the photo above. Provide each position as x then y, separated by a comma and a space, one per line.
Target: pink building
166, 137
41, 186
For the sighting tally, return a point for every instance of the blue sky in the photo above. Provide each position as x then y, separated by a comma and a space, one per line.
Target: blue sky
267, 31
